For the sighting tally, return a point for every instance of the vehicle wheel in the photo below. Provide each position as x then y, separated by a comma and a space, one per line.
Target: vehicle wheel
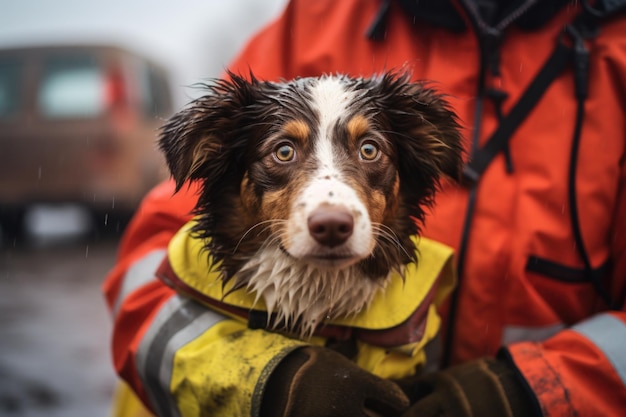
110, 223
12, 224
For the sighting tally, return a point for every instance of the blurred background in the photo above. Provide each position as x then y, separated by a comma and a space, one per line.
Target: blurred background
83, 87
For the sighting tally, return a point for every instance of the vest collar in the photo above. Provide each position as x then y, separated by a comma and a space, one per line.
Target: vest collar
403, 306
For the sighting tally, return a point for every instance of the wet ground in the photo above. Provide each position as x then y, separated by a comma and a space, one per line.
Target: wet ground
54, 330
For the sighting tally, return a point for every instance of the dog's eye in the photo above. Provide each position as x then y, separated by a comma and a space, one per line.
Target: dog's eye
285, 153
369, 151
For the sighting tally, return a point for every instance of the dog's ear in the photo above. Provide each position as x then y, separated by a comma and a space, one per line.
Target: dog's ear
427, 131
200, 141
426, 135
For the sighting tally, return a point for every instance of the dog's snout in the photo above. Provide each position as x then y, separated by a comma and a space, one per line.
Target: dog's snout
330, 226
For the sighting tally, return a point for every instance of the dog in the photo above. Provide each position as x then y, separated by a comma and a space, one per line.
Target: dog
311, 189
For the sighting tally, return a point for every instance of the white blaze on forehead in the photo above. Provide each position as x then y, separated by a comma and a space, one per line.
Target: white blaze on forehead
327, 186
331, 100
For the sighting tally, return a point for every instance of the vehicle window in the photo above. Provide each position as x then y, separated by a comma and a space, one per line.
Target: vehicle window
9, 88
156, 94
72, 87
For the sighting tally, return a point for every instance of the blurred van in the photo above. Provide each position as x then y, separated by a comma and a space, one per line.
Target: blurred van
78, 125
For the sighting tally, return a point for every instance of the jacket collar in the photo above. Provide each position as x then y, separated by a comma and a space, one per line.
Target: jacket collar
455, 15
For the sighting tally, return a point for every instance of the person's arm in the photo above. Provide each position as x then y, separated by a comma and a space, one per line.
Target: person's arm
179, 357
132, 291
582, 370
579, 371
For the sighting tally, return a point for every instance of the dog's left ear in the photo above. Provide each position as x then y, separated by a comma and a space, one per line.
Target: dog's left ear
201, 141
427, 131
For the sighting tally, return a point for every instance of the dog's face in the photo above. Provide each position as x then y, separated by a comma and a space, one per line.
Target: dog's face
313, 187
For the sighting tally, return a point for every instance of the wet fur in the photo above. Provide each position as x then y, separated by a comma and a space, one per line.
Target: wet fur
227, 141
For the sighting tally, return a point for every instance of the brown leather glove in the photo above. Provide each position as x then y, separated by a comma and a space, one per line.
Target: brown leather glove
317, 382
485, 387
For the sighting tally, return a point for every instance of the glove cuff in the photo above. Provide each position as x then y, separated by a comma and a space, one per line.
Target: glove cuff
275, 400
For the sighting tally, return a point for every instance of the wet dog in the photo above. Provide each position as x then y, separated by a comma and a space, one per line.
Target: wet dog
311, 189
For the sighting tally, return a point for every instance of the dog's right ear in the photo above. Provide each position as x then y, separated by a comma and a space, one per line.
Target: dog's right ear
199, 141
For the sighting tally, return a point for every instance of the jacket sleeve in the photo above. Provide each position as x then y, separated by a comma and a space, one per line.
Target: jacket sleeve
582, 370
176, 355
132, 292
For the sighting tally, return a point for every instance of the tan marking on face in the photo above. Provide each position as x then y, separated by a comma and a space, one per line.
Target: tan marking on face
277, 205
249, 202
377, 204
374, 201
392, 201
247, 196
357, 127
297, 129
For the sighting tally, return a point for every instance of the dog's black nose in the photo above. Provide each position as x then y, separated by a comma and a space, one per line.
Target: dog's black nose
330, 226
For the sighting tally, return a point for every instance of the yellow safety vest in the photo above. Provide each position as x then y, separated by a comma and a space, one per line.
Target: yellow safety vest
423, 288
390, 335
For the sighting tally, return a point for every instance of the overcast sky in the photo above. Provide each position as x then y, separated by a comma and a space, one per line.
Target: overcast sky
194, 38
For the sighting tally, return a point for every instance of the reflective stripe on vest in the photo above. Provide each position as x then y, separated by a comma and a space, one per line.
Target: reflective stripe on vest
179, 321
609, 335
512, 334
140, 273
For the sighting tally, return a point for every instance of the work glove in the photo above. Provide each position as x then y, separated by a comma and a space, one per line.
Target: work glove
484, 387
315, 381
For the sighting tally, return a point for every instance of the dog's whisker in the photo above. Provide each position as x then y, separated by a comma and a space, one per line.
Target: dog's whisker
266, 223
387, 233
273, 240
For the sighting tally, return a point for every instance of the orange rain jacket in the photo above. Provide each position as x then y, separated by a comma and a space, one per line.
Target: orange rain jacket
523, 283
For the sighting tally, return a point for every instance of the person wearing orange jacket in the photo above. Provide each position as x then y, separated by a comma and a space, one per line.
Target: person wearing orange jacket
536, 324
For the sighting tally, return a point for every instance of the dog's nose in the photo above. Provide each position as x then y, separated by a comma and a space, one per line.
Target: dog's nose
330, 226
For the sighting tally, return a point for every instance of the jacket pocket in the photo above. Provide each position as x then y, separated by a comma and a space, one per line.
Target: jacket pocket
567, 291
560, 272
